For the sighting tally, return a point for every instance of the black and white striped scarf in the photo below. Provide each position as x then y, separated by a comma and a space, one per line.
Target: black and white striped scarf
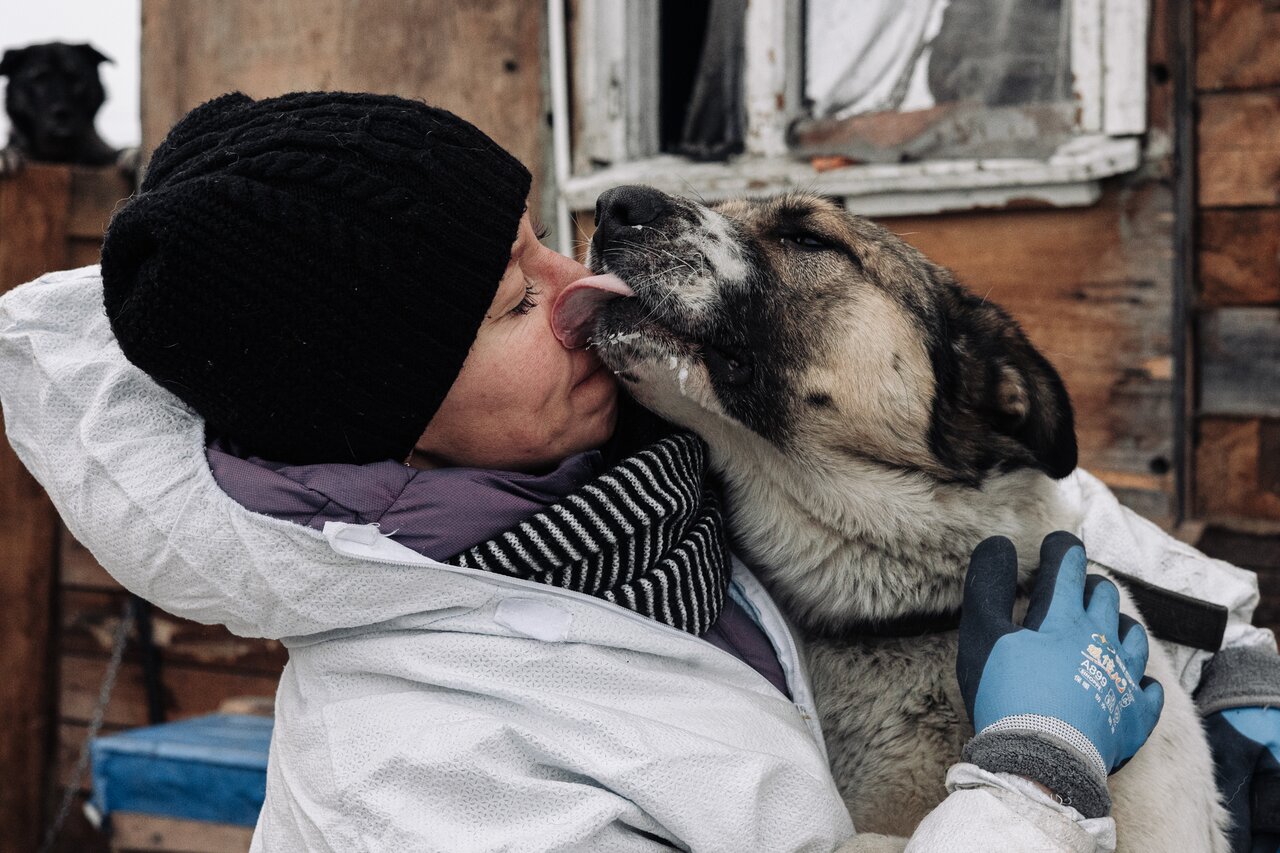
646, 535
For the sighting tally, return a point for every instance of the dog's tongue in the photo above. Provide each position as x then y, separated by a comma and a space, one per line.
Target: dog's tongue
575, 312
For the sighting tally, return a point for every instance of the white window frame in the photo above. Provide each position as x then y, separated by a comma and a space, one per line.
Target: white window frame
615, 107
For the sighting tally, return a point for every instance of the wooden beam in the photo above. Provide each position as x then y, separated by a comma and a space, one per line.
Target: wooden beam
188, 690
1238, 157
33, 227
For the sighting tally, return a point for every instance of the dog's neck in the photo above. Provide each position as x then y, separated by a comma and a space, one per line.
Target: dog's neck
859, 543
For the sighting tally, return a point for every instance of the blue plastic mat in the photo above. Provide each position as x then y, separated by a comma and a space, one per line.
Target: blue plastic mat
209, 768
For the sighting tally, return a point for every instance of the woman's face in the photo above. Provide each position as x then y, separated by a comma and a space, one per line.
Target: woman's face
522, 401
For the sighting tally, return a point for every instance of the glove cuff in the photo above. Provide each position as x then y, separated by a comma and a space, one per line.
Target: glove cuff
1050, 751
1239, 677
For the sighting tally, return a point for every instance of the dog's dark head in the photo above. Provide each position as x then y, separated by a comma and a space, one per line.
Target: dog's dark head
824, 334
52, 97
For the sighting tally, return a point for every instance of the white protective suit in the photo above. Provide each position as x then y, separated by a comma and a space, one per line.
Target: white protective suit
427, 707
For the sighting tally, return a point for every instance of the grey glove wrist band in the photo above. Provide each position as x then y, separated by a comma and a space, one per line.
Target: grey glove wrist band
1239, 678
1046, 759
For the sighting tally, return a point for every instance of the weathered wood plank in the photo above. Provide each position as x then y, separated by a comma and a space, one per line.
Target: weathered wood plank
187, 690
1238, 468
1258, 553
1239, 149
1240, 361
90, 618
153, 834
1239, 257
1238, 44
77, 567
1092, 289
95, 194
483, 61
33, 222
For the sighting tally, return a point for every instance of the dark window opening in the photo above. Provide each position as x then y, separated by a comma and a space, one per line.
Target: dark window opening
701, 59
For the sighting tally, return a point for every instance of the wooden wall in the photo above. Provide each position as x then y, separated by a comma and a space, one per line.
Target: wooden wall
51, 217
201, 667
482, 59
1237, 461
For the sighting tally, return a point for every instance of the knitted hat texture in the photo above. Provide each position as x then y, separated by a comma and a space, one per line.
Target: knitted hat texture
308, 272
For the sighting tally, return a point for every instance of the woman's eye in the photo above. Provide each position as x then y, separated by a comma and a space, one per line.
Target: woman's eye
805, 241
527, 302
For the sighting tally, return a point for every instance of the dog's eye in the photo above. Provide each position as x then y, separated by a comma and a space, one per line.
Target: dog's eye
805, 241
733, 364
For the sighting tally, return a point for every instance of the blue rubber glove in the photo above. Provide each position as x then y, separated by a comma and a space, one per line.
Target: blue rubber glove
1246, 758
1062, 698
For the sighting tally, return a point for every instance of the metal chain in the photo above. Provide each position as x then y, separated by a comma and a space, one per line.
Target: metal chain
118, 643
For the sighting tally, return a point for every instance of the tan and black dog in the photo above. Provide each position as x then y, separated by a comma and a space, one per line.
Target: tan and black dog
872, 421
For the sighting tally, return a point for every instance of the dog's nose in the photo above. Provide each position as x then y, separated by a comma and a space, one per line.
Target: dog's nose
630, 206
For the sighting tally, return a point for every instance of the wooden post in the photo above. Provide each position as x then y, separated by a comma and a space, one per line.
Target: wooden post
34, 208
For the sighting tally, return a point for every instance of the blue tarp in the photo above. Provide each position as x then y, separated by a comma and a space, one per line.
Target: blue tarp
209, 768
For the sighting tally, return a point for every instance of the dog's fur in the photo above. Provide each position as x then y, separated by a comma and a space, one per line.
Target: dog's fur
52, 97
872, 422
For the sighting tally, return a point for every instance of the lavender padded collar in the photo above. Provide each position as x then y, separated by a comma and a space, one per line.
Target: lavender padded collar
440, 512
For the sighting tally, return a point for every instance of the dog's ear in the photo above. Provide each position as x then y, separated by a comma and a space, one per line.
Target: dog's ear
91, 54
1000, 404
1029, 403
13, 58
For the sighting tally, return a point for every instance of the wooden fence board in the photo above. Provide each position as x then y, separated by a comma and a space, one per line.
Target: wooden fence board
89, 620
1238, 468
136, 833
1238, 155
187, 690
1240, 361
1240, 257
77, 567
1237, 44
33, 218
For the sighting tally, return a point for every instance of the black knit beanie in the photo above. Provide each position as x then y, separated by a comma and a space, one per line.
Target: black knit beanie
308, 272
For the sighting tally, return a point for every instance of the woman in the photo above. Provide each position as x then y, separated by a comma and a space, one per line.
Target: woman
530, 651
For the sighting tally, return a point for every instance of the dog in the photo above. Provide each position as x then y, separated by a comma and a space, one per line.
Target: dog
52, 98
872, 421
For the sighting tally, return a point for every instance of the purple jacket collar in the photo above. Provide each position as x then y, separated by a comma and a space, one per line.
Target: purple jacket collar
439, 513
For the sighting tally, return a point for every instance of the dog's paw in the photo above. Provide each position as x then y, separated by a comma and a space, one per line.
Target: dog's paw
871, 843
11, 161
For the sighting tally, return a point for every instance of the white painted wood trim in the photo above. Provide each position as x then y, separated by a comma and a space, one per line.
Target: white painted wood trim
1124, 67
558, 51
1080, 194
1086, 61
615, 81
1083, 160
771, 78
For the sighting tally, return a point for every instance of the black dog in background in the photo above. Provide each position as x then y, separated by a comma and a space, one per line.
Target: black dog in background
53, 95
